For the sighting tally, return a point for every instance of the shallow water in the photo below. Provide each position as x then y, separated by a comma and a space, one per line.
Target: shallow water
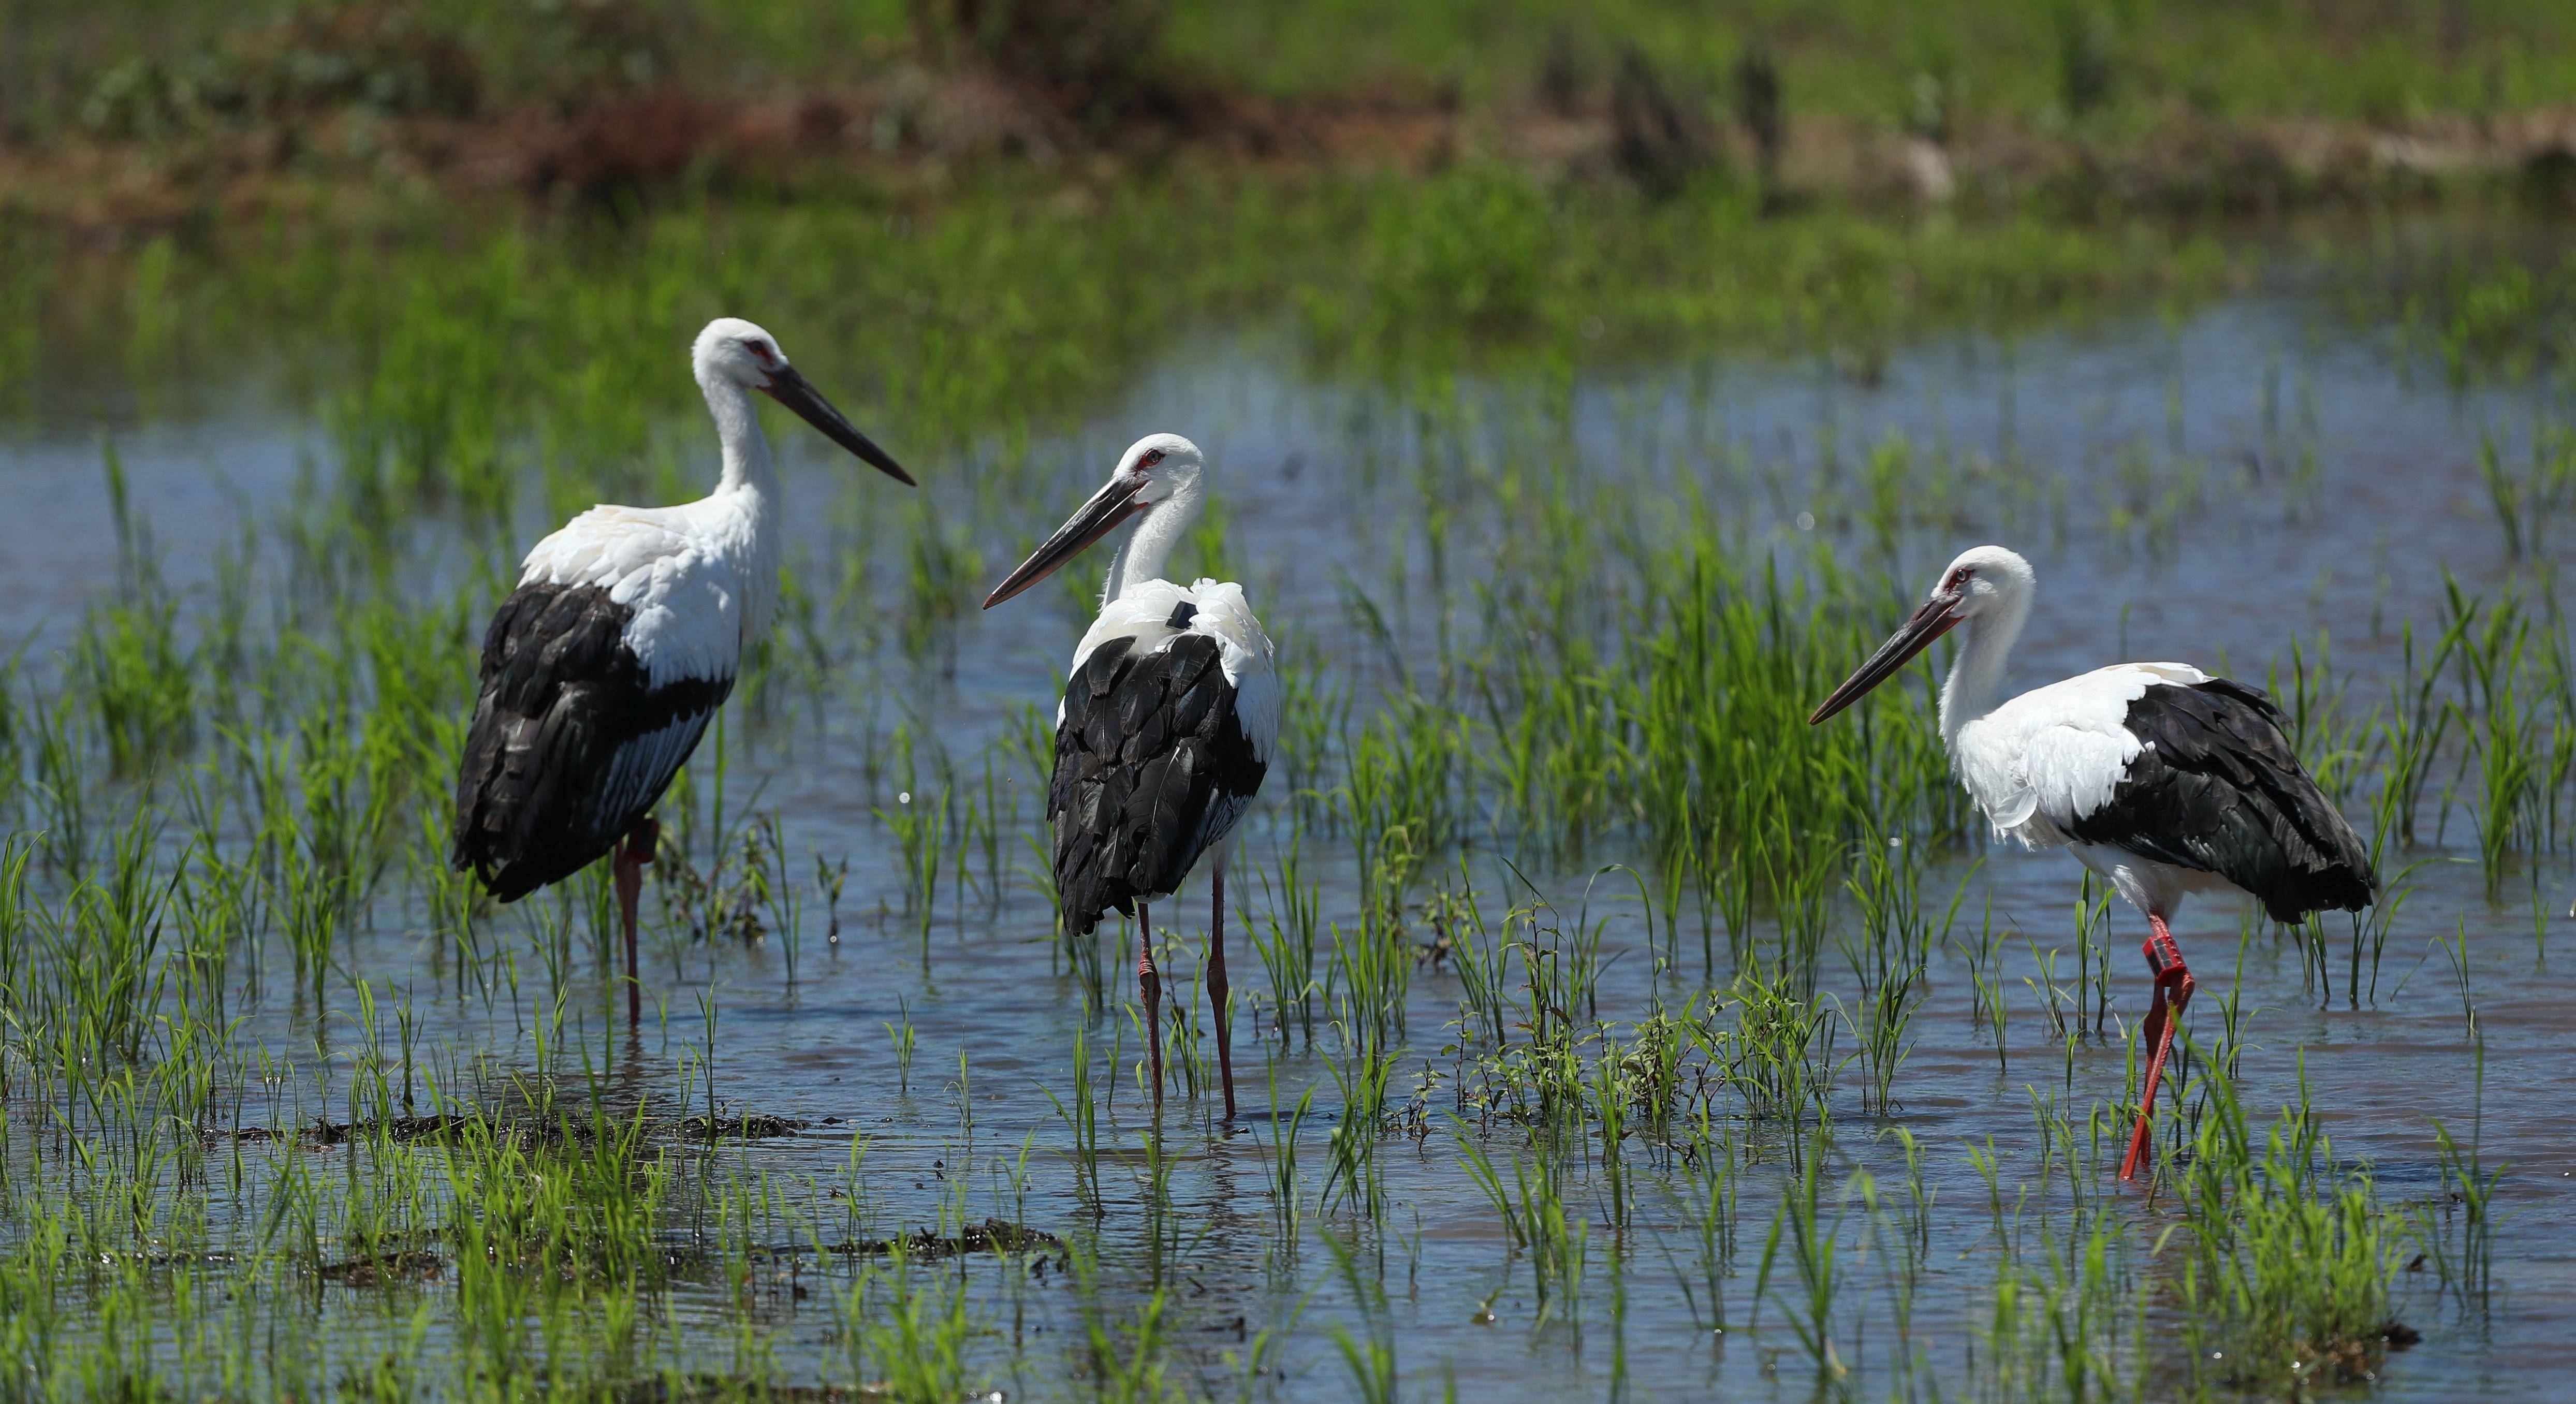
2203, 490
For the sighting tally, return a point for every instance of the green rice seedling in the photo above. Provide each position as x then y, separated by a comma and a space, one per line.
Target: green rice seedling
1483, 961
1880, 1041
1815, 1253
2466, 1267
1082, 1118
138, 681
920, 825
1610, 1092
2456, 954
2003, 1227
1353, 1176
984, 831
1185, 1051
1561, 972
1371, 1361
1398, 798
829, 879
1286, 941
1366, 982
1286, 1209
1707, 1201
2069, 1326
1534, 1217
901, 1035
908, 1330
941, 568
61, 788
2412, 729
1660, 1077
1889, 961
1128, 1362
2054, 998
1887, 1246
1162, 1224
1779, 1056
2529, 500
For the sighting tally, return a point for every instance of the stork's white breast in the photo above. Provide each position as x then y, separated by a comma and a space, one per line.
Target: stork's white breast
685, 591
2055, 754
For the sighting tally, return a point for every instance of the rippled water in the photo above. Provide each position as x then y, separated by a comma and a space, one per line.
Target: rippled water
2203, 490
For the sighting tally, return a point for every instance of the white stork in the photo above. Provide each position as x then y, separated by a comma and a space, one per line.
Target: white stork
1166, 725
2159, 777
601, 671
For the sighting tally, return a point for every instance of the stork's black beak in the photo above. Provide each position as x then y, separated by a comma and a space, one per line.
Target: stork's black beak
792, 390
1938, 616
1097, 518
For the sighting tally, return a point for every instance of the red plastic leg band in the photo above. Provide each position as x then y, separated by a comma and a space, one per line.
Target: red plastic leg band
2173, 987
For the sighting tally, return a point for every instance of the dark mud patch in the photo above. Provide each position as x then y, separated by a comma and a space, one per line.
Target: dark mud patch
990, 1236
400, 1129
404, 1130
692, 1389
321, 1134
739, 1128
377, 1269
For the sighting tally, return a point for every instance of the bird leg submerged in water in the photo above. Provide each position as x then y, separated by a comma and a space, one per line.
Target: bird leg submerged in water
1217, 988
2174, 985
1151, 984
627, 866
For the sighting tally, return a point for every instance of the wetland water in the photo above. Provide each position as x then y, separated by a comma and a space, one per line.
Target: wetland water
2208, 487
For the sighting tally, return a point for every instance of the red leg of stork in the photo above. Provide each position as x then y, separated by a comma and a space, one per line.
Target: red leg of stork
1217, 988
2173, 991
1152, 985
627, 867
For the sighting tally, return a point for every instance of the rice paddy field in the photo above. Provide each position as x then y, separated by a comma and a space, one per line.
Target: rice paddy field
1605, 1030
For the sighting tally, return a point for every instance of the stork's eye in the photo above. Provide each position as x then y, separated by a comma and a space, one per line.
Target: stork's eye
760, 353
1152, 457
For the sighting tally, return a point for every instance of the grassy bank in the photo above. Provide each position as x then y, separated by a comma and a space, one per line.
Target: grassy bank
150, 112
2024, 62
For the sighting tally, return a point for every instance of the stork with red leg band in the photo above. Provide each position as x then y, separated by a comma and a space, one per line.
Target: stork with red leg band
2173, 991
2161, 779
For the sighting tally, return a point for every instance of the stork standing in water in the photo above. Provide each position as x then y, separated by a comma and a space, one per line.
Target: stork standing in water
601, 671
2159, 777
1166, 726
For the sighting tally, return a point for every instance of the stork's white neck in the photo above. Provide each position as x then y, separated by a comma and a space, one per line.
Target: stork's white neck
1148, 547
747, 465
1977, 670
748, 494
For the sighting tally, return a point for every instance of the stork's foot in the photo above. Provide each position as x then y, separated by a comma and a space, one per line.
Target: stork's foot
2173, 987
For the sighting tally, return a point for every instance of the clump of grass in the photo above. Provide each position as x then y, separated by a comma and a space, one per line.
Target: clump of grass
2291, 1255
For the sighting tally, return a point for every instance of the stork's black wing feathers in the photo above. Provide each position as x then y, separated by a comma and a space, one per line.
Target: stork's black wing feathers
2218, 788
1152, 767
571, 744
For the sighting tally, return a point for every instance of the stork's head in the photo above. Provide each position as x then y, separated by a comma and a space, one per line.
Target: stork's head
732, 351
1985, 582
1154, 470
